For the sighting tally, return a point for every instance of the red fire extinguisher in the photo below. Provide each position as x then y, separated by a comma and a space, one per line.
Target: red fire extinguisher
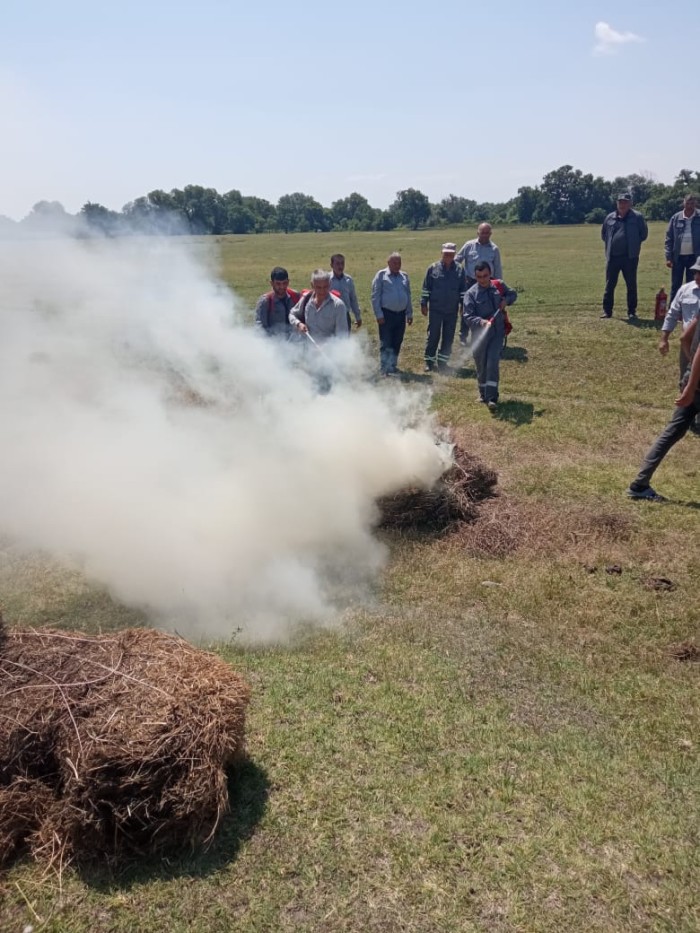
661, 306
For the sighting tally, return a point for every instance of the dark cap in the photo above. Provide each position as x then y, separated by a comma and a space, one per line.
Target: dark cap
624, 196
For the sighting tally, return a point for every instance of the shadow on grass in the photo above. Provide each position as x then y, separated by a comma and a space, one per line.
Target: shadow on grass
644, 324
415, 377
518, 354
248, 787
517, 412
465, 372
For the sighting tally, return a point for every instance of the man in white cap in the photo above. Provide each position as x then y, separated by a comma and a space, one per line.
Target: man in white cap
441, 302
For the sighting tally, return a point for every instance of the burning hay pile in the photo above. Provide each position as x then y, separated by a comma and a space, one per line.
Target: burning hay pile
452, 501
113, 744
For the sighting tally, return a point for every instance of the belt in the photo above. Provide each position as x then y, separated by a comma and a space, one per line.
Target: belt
391, 311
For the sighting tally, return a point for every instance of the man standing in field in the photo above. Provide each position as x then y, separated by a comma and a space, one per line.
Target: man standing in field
272, 309
682, 244
345, 287
687, 409
391, 303
480, 249
485, 313
623, 232
441, 301
319, 313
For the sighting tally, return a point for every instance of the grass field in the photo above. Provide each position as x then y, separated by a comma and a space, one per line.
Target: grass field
498, 743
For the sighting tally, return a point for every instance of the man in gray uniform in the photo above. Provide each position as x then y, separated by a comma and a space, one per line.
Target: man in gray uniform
344, 285
485, 307
441, 301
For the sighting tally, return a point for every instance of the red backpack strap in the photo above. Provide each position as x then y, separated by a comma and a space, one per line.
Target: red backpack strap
499, 286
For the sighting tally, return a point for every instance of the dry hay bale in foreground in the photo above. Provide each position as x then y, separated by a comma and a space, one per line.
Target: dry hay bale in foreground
113, 745
451, 501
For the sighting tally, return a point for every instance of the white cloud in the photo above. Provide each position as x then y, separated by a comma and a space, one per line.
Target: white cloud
609, 40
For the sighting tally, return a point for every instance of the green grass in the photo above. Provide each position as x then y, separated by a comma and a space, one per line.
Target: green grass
498, 744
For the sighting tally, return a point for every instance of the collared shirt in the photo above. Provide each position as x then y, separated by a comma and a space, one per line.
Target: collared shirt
473, 252
392, 292
346, 287
330, 320
685, 307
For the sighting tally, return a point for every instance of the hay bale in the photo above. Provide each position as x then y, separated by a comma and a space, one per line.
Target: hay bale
452, 501
113, 745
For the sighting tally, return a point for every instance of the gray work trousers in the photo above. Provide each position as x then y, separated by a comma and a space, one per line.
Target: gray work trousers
487, 359
677, 428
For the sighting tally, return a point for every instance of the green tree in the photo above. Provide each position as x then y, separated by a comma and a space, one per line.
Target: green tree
302, 213
411, 208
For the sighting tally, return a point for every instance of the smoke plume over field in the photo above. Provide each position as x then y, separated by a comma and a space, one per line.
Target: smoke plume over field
186, 462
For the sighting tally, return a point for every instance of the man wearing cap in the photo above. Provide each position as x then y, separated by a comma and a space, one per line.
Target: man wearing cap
344, 286
480, 249
441, 301
623, 232
682, 244
272, 309
391, 303
485, 313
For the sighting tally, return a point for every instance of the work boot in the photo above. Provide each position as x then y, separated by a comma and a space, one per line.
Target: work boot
429, 366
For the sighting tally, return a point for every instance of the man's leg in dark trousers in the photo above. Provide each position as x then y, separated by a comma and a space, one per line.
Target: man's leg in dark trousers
494, 345
629, 273
390, 339
449, 326
612, 273
386, 353
396, 323
677, 428
679, 270
435, 324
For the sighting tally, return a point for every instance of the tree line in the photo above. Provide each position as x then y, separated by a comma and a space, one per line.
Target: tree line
565, 196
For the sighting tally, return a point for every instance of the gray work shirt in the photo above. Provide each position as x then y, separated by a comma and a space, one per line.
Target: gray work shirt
392, 292
346, 287
685, 307
473, 252
330, 320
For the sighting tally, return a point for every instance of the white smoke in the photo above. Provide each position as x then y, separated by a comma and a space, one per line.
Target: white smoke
188, 463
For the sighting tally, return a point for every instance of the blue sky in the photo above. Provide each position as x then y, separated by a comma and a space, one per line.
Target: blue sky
105, 102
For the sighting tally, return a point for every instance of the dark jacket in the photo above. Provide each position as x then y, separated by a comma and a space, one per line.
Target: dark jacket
674, 235
443, 288
637, 232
